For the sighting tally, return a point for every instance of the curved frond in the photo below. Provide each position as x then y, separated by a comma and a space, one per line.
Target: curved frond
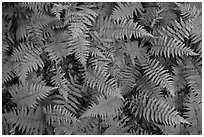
178, 30
193, 114
84, 126
7, 68
129, 29
21, 32
21, 51
36, 6
81, 48
41, 20
170, 46
188, 11
147, 87
135, 51
179, 78
158, 75
127, 76
28, 120
193, 77
29, 94
69, 90
99, 78
104, 107
27, 59
126, 10
156, 110
57, 115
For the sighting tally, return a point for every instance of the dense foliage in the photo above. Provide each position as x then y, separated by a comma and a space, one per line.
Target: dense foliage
101, 68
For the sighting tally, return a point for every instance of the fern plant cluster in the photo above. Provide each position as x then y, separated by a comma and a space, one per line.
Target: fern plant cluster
82, 68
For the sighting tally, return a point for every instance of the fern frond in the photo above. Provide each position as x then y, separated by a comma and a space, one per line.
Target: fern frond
178, 30
156, 110
170, 130
188, 11
147, 87
115, 126
84, 126
128, 29
158, 75
41, 20
193, 77
193, 114
7, 68
19, 52
87, 126
126, 10
5, 46
32, 61
99, 78
29, 94
81, 48
106, 27
140, 131
152, 17
104, 108
27, 59
196, 32
57, 115
179, 78
57, 24
69, 90
78, 27
135, 51
57, 9
170, 46
28, 120
127, 76
36, 6
21, 32
6, 126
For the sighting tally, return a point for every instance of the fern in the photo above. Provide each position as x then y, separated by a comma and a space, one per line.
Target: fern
59, 46
7, 69
115, 126
127, 76
81, 48
179, 78
69, 90
193, 115
99, 78
127, 10
188, 11
104, 108
196, 33
36, 6
193, 77
27, 60
179, 30
147, 87
152, 17
58, 115
156, 110
21, 31
128, 28
134, 50
29, 94
158, 75
85, 125
29, 121
101, 68
171, 47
